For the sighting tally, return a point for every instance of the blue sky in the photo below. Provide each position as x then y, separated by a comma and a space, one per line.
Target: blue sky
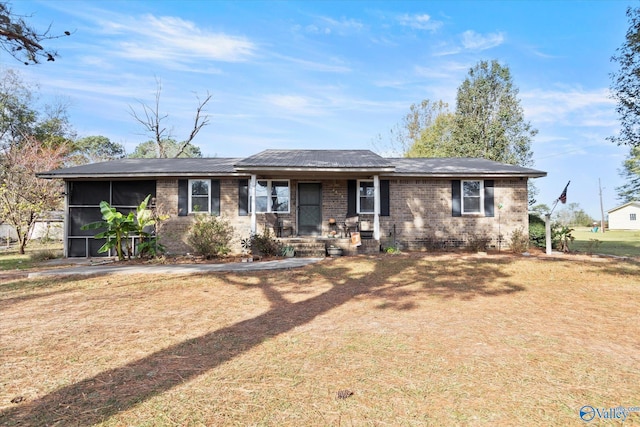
338, 74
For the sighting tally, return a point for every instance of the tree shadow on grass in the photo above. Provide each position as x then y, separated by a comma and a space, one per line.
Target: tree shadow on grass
96, 399
28, 288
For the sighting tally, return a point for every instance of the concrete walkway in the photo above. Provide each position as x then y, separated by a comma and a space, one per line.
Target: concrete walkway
104, 269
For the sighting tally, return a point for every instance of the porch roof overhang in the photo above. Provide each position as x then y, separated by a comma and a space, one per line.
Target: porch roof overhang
314, 162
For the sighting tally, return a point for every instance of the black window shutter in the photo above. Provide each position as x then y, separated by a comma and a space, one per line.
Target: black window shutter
215, 197
243, 197
183, 197
456, 198
488, 198
352, 193
384, 198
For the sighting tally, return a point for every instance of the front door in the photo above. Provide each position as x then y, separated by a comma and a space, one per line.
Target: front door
310, 209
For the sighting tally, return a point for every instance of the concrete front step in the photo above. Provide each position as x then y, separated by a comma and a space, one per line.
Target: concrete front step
316, 247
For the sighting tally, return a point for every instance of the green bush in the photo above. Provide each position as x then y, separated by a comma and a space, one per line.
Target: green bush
265, 244
537, 235
538, 238
210, 236
519, 242
535, 219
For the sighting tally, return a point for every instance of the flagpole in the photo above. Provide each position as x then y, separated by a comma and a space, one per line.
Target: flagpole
547, 218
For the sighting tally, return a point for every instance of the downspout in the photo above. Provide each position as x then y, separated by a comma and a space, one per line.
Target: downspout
252, 199
376, 207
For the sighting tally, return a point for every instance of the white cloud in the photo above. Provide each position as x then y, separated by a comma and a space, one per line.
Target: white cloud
419, 22
330, 26
474, 41
574, 106
169, 38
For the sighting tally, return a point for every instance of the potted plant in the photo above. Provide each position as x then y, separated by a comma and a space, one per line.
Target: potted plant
288, 251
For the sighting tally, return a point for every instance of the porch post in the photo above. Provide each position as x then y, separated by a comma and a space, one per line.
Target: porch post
65, 223
376, 207
252, 201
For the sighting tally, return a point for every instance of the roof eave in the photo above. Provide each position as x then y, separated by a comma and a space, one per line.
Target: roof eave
333, 170
95, 176
467, 174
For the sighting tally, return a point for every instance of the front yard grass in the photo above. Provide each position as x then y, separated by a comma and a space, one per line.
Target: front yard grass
451, 339
624, 243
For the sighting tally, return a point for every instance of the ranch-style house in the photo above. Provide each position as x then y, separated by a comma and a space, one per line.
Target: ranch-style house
321, 196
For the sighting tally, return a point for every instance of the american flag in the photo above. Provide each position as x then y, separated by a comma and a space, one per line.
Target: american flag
563, 196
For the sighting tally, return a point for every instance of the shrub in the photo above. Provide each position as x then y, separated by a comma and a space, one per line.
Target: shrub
537, 235
265, 244
45, 255
519, 241
210, 236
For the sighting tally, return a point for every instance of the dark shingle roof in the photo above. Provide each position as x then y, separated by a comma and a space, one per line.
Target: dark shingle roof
123, 168
293, 161
458, 166
314, 160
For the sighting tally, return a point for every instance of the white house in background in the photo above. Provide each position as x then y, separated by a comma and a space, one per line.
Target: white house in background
625, 217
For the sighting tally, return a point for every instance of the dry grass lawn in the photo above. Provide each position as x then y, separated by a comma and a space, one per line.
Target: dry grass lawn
451, 339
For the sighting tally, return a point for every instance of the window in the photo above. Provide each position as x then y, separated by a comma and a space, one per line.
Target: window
366, 197
272, 196
632, 217
199, 195
472, 197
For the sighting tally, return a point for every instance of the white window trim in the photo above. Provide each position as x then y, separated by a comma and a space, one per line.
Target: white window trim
480, 207
358, 210
191, 181
269, 187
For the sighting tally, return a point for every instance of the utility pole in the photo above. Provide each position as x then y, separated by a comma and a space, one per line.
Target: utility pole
601, 208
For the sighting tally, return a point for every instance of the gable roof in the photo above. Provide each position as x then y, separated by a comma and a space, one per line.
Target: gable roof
634, 204
295, 162
315, 160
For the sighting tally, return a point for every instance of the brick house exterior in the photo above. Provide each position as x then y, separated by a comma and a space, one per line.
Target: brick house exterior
415, 203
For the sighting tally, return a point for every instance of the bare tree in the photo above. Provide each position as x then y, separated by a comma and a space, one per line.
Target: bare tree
22, 41
152, 120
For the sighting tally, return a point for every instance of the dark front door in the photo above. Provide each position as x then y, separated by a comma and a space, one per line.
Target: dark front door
309, 209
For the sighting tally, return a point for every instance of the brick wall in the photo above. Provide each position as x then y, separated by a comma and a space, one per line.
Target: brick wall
421, 213
420, 210
173, 232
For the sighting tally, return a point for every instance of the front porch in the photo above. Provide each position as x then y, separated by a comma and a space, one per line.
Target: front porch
317, 246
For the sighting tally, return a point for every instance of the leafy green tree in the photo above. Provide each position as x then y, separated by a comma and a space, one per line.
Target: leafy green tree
17, 115
540, 209
630, 172
489, 121
96, 148
572, 214
625, 86
172, 149
22, 118
430, 130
